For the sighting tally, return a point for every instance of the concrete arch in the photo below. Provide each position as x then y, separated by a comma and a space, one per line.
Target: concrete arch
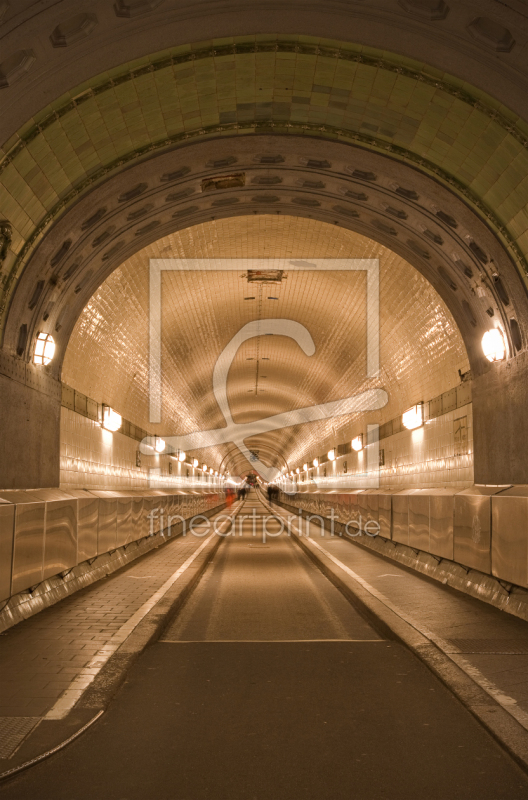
479, 42
430, 153
333, 90
345, 185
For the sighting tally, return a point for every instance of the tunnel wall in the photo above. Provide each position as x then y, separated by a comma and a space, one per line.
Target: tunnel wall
29, 424
429, 457
501, 424
50, 538
93, 458
482, 528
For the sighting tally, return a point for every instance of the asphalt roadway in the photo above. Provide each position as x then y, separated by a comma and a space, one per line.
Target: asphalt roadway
269, 685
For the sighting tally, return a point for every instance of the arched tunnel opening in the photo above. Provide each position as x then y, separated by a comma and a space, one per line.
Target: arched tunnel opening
221, 283
263, 380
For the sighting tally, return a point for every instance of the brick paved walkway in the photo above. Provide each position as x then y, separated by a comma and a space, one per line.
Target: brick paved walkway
491, 646
42, 656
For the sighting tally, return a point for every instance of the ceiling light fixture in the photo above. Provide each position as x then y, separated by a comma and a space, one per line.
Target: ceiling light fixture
413, 417
112, 421
357, 443
44, 349
493, 345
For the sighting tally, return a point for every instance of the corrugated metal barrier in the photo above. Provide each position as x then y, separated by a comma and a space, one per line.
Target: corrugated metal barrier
484, 528
47, 532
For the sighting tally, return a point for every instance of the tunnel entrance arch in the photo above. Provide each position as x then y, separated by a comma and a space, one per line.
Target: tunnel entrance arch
331, 305
343, 176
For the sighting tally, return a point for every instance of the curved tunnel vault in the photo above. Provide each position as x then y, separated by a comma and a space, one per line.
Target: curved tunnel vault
322, 129
422, 350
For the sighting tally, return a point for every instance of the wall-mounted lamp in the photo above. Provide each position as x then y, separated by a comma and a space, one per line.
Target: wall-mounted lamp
204, 467
195, 462
357, 443
332, 455
159, 444
305, 467
298, 471
493, 345
181, 455
315, 462
413, 417
112, 421
211, 471
44, 349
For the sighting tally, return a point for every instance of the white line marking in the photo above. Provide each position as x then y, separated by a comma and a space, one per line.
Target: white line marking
262, 641
507, 702
80, 683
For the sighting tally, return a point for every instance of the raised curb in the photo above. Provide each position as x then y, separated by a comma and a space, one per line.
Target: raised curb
504, 728
506, 597
51, 736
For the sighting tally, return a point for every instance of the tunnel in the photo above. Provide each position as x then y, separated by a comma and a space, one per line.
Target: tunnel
263, 387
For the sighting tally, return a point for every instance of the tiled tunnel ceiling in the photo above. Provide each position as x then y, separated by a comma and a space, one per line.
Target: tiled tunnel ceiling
466, 141
107, 358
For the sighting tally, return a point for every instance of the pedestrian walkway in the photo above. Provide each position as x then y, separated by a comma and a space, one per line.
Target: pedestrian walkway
269, 684
489, 645
49, 660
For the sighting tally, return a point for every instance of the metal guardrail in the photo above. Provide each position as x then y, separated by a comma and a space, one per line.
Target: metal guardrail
482, 527
47, 532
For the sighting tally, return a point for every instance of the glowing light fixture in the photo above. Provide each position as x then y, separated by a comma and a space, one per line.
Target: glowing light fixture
413, 417
211, 471
181, 455
357, 443
112, 421
305, 467
315, 462
195, 462
44, 349
204, 467
332, 455
298, 471
493, 345
159, 445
